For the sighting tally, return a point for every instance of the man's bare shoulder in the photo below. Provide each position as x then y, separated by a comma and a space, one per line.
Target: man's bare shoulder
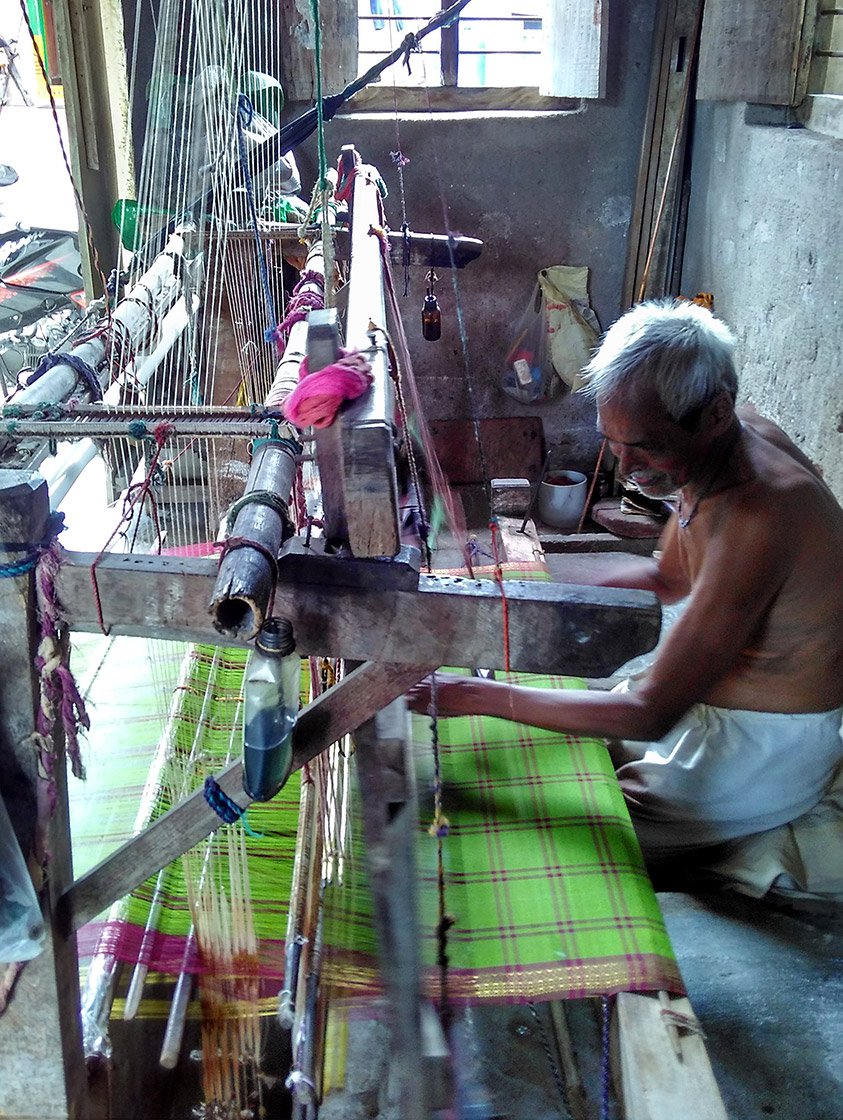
777, 502
774, 437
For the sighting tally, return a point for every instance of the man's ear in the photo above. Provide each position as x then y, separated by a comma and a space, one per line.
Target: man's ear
719, 414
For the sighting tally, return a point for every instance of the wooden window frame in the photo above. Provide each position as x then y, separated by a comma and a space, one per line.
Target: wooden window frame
449, 97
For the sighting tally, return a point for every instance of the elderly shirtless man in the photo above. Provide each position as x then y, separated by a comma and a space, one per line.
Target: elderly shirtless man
737, 726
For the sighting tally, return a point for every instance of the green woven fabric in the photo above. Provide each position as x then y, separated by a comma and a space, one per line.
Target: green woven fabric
544, 878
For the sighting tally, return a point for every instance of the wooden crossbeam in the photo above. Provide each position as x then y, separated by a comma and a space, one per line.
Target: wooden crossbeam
427, 250
449, 620
355, 699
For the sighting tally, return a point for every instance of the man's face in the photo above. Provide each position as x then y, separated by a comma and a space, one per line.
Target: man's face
653, 451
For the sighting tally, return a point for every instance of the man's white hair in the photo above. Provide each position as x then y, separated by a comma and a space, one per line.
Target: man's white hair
677, 348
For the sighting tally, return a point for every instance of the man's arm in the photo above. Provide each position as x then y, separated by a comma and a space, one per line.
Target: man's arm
661, 573
743, 570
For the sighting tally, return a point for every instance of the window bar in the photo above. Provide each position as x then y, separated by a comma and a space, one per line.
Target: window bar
450, 50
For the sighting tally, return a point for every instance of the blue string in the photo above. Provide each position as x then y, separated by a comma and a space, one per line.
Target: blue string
79, 365
226, 809
293, 446
9, 571
245, 112
55, 525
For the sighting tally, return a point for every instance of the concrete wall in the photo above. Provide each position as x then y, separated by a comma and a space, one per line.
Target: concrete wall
764, 235
538, 190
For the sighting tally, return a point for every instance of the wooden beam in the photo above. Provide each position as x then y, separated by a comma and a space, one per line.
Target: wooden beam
665, 1069
450, 620
519, 546
390, 825
41, 1029
595, 542
355, 699
436, 250
367, 430
577, 45
96, 98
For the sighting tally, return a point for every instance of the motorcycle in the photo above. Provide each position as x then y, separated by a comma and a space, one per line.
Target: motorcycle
42, 297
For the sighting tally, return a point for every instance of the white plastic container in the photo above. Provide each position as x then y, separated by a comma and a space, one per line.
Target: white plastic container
562, 499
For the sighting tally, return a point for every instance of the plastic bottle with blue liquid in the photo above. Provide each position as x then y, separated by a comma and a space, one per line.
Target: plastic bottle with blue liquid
271, 706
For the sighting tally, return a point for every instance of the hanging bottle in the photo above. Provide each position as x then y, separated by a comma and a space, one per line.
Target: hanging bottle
431, 315
271, 704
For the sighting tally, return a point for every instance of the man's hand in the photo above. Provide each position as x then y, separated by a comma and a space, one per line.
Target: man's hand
446, 696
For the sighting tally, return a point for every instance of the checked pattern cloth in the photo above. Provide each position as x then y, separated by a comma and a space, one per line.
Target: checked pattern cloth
543, 875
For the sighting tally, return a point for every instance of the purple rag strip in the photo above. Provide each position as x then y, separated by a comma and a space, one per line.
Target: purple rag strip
300, 305
59, 692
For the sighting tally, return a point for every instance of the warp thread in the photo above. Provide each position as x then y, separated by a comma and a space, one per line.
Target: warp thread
318, 397
682, 1022
245, 113
453, 508
418, 513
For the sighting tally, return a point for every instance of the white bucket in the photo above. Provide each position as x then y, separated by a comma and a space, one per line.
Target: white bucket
562, 499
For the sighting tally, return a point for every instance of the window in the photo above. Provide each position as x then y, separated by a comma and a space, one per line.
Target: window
499, 47
826, 74
822, 109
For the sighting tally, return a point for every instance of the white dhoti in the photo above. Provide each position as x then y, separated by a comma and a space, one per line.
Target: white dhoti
721, 774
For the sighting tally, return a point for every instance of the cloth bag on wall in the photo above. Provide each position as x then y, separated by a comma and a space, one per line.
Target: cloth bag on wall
554, 337
572, 326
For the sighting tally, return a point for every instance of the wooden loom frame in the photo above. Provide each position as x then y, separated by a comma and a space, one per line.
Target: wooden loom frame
394, 624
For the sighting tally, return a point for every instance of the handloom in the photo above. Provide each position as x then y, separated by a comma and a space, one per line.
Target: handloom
193, 360
544, 876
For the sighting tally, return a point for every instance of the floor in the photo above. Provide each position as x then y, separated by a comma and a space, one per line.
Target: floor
767, 985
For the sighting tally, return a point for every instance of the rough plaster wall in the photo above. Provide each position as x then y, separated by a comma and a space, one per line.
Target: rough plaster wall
538, 190
764, 235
